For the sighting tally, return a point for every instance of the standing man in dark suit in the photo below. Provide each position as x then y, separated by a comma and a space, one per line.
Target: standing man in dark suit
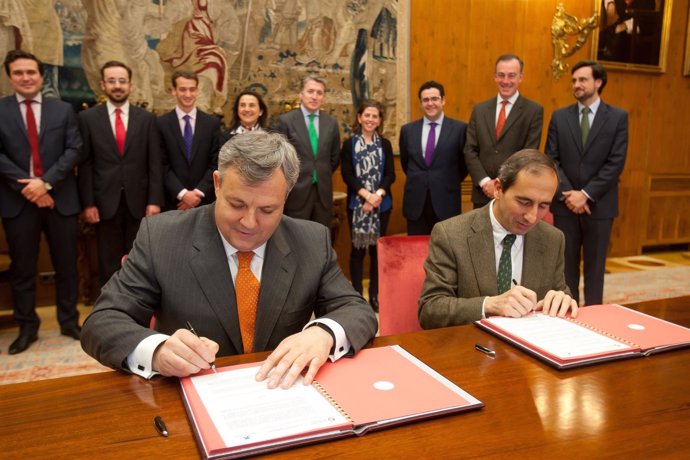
431, 157
39, 147
120, 177
474, 258
197, 266
500, 127
589, 142
316, 137
190, 144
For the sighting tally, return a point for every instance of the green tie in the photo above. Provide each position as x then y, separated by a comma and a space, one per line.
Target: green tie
314, 139
584, 125
505, 264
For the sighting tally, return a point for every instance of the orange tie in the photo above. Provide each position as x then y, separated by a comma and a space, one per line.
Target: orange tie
247, 292
501, 118
120, 131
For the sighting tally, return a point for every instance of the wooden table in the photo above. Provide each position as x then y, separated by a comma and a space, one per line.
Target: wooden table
638, 408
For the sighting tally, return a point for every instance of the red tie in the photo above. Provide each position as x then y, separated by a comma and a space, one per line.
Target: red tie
120, 131
501, 118
247, 292
32, 131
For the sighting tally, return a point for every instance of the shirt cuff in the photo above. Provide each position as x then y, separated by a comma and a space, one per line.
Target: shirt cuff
483, 303
140, 361
342, 344
200, 192
181, 194
484, 181
587, 195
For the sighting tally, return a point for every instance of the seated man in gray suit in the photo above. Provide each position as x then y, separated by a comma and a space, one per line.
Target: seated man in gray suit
500, 259
188, 266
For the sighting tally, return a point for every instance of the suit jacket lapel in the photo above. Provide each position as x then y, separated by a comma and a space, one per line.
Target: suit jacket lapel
515, 113
481, 246
532, 255
174, 127
16, 115
301, 127
573, 120
276, 279
212, 272
489, 117
103, 119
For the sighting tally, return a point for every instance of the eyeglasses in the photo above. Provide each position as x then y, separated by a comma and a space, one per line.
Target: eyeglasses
114, 81
426, 100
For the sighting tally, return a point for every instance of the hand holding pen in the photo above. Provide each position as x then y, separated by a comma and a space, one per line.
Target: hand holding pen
191, 329
183, 354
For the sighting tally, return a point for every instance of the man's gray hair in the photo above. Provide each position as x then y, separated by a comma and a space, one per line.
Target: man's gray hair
309, 78
257, 154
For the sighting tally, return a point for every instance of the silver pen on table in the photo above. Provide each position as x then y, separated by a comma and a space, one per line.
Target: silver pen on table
191, 329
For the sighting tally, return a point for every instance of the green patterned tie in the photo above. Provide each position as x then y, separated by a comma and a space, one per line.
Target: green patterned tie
505, 265
314, 139
584, 125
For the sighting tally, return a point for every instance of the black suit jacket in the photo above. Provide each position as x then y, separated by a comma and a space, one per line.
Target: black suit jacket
178, 172
484, 154
294, 127
104, 173
595, 167
178, 270
442, 178
59, 145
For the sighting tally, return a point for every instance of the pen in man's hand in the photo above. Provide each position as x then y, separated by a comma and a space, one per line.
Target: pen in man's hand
191, 329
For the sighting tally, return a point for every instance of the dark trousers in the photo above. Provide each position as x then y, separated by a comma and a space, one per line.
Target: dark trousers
357, 259
313, 209
589, 237
115, 238
23, 234
426, 221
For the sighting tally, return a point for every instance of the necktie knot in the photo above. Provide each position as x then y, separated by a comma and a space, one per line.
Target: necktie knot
311, 117
504, 102
244, 258
186, 118
28, 102
586, 110
508, 241
118, 111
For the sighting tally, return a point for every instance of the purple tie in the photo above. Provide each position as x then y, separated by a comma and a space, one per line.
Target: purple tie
430, 144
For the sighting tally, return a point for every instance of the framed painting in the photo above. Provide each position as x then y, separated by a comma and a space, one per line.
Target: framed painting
633, 34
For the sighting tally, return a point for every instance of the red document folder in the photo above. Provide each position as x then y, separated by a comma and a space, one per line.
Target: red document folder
377, 388
615, 332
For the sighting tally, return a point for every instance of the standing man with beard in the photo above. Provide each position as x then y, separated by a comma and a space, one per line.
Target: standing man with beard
589, 142
120, 177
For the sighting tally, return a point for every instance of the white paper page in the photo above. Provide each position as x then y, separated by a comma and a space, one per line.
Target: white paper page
244, 411
558, 336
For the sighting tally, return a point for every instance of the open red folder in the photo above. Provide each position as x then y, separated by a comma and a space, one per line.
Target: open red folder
233, 416
599, 333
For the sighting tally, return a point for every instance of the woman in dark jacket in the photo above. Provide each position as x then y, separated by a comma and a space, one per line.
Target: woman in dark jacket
367, 169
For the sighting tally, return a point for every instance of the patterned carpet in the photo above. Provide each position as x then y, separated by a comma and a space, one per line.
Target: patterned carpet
629, 279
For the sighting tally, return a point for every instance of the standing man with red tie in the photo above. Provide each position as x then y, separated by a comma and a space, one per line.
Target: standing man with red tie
121, 175
39, 147
499, 127
431, 157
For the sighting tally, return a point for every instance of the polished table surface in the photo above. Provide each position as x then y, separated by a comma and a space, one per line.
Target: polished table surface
638, 407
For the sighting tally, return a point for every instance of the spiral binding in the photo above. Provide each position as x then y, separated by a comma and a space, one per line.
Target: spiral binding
333, 402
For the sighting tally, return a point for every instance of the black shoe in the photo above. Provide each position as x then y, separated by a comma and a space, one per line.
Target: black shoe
74, 332
22, 343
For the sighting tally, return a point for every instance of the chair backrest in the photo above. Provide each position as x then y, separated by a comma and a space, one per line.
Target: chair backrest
401, 275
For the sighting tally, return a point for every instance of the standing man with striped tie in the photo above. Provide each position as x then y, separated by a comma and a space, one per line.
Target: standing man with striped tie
190, 144
499, 127
120, 177
589, 142
316, 138
39, 147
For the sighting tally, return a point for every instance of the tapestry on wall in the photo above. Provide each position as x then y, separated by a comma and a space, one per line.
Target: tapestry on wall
265, 45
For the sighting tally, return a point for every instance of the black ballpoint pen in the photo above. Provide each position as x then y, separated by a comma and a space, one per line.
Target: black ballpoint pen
487, 351
160, 426
191, 329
